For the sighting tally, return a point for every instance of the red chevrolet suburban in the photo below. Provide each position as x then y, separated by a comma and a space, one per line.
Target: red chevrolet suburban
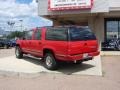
53, 44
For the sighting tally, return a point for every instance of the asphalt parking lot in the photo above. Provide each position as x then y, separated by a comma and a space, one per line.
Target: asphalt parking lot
110, 80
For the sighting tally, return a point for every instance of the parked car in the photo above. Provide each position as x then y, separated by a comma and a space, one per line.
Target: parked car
54, 44
5, 43
12, 43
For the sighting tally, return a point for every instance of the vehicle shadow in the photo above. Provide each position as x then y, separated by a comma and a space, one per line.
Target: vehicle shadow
36, 61
71, 68
65, 68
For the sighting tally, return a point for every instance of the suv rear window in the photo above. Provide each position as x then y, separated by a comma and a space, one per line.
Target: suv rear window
78, 34
58, 34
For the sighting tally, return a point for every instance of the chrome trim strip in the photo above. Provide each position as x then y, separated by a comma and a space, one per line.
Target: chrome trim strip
61, 55
32, 50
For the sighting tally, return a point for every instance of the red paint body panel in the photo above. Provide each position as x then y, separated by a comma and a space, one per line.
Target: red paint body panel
63, 50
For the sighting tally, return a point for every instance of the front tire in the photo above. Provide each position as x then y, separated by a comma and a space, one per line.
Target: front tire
18, 52
50, 62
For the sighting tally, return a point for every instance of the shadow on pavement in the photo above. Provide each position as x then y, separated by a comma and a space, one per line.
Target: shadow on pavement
36, 61
65, 68
70, 68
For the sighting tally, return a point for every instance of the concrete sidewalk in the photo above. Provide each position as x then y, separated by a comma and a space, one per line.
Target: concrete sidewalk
34, 66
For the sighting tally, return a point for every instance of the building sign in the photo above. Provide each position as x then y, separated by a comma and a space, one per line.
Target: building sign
69, 4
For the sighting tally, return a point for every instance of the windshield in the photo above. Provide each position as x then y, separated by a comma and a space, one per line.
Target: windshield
78, 34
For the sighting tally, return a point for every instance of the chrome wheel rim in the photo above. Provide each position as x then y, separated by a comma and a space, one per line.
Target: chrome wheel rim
17, 52
49, 61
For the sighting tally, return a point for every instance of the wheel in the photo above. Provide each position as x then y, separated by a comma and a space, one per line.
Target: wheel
18, 52
50, 62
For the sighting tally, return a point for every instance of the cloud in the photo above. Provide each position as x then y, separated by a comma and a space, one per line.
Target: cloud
13, 9
10, 10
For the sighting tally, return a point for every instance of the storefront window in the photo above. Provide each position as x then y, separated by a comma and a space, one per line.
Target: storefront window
112, 29
112, 35
119, 29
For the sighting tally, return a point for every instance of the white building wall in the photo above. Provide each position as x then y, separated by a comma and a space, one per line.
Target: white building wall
97, 25
99, 7
114, 3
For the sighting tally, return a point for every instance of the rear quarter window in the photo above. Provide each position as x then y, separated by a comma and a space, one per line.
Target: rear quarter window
59, 34
78, 34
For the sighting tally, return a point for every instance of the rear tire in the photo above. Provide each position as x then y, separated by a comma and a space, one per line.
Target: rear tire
50, 62
18, 52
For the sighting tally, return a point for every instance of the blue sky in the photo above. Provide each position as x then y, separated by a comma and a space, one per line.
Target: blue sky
16, 10
24, 1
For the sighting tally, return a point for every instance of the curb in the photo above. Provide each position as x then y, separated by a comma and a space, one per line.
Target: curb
110, 53
20, 74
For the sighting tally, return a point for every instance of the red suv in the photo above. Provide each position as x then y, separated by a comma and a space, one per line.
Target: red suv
53, 44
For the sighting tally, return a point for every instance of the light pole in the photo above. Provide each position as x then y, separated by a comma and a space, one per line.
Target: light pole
11, 24
21, 24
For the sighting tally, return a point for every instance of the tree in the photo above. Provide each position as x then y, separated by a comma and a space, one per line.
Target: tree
15, 34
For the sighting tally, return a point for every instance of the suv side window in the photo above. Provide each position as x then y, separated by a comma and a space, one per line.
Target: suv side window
29, 35
37, 35
57, 34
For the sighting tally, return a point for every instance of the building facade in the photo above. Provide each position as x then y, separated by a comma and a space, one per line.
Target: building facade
103, 16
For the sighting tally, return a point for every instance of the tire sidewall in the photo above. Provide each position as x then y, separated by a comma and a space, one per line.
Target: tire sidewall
53, 61
20, 54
